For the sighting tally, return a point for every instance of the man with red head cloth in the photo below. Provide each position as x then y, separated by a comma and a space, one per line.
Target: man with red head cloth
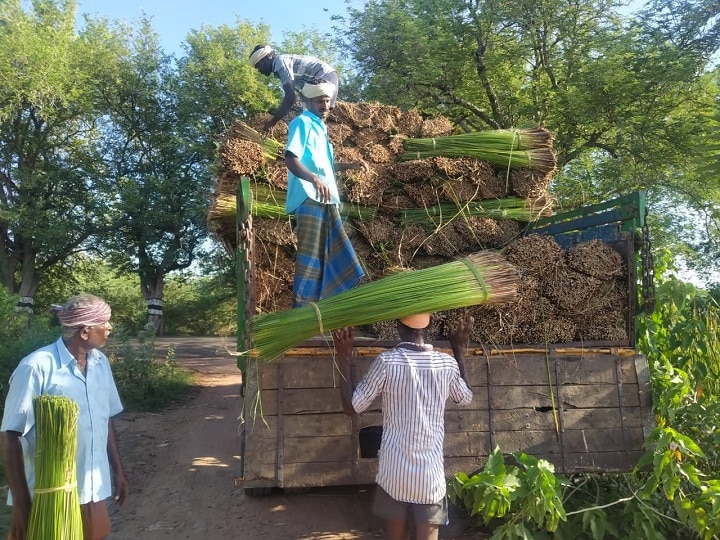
72, 367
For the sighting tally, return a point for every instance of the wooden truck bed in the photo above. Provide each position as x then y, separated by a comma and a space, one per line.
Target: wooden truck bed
583, 409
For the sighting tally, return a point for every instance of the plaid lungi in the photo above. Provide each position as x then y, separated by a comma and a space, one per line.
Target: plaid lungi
326, 263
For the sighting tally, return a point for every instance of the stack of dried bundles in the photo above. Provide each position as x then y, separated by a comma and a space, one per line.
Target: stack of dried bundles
431, 195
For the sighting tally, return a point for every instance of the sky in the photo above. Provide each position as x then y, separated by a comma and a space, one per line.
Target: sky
173, 19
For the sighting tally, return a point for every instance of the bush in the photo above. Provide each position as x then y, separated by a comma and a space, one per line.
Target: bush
144, 382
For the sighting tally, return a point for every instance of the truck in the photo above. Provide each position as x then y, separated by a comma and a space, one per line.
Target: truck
583, 406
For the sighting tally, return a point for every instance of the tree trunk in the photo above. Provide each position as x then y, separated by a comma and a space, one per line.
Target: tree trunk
29, 282
152, 290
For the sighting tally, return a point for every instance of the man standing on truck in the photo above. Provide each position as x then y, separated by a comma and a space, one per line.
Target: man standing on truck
414, 381
325, 262
293, 70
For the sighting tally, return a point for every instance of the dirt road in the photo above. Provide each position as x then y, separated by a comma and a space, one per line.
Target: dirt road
182, 464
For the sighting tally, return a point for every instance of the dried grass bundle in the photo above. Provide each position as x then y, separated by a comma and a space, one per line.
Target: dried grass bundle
396, 144
535, 253
604, 326
386, 118
274, 279
410, 123
553, 330
366, 137
380, 230
571, 291
276, 174
272, 148
338, 133
366, 187
348, 153
597, 259
397, 199
528, 183
413, 171
241, 157
436, 127
423, 195
274, 231
377, 153
446, 241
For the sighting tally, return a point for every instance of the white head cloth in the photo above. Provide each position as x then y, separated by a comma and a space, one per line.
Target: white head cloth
259, 55
316, 90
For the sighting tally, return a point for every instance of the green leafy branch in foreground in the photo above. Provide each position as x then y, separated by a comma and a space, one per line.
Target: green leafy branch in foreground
674, 491
528, 496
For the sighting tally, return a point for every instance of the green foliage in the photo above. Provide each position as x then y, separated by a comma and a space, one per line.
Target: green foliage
144, 382
19, 337
516, 500
681, 339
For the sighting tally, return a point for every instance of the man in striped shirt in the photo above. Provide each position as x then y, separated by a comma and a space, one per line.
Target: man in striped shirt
414, 381
293, 70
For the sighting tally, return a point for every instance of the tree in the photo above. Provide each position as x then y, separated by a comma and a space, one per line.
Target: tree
156, 163
623, 96
49, 178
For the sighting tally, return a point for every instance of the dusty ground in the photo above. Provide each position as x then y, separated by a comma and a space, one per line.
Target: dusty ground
182, 465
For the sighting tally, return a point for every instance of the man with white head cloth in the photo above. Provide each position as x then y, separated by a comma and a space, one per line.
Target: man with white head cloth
72, 367
293, 70
325, 263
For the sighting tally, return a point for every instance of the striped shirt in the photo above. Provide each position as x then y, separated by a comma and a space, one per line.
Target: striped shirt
414, 382
299, 69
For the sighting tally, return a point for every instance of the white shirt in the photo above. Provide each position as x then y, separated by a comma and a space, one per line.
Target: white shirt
53, 370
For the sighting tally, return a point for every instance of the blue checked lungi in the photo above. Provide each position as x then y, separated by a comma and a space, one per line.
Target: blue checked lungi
326, 263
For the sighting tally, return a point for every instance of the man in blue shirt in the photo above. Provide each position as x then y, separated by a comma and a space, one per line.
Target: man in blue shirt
325, 263
72, 367
293, 70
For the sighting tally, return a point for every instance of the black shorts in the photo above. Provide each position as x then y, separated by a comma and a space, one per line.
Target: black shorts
386, 507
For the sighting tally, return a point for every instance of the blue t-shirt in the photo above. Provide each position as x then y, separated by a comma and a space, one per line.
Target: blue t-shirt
52, 370
308, 140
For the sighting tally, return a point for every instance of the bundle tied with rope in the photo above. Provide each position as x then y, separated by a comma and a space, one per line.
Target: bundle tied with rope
480, 278
55, 510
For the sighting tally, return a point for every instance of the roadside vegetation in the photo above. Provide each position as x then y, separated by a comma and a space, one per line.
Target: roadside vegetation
674, 492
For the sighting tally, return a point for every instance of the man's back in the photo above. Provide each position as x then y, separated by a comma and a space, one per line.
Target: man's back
300, 69
415, 382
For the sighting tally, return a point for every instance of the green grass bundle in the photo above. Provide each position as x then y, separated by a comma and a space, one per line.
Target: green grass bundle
505, 148
481, 278
510, 208
271, 204
272, 149
55, 511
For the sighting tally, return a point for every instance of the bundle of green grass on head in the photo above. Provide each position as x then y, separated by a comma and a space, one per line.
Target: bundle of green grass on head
55, 511
481, 278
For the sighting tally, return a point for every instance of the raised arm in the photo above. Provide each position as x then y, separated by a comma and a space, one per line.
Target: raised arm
459, 335
344, 339
284, 108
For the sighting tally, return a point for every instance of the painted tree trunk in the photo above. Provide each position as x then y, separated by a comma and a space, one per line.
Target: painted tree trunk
152, 289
